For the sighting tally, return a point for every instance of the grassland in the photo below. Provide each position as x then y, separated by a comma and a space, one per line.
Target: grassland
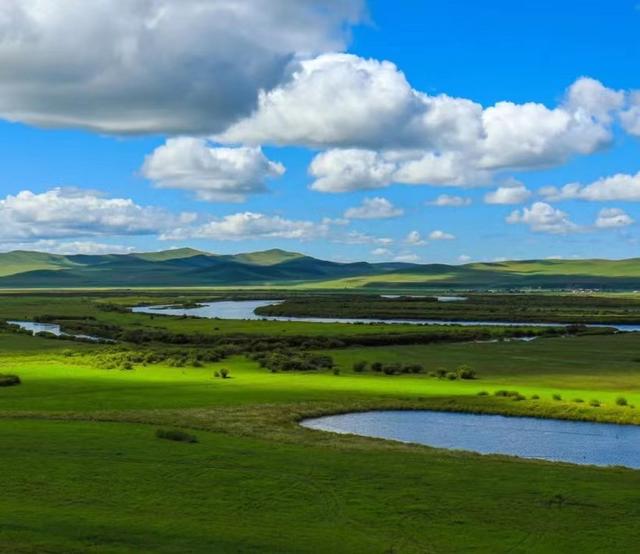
586, 308
83, 471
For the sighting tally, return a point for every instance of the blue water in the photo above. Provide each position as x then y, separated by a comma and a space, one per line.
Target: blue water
576, 442
245, 309
53, 329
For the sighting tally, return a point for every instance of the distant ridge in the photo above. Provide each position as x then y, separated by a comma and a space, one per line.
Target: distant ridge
191, 267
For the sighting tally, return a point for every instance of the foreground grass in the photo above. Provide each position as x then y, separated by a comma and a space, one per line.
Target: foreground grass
83, 471
114, 488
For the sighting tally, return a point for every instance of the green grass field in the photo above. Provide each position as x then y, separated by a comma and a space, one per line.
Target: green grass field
82, 469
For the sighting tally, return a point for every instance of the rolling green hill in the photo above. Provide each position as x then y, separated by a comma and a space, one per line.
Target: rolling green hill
189, 267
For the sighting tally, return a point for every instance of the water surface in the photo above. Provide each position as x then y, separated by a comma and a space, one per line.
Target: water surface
52, 328
575, 442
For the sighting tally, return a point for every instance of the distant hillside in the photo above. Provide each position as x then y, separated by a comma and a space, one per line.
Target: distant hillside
189, 267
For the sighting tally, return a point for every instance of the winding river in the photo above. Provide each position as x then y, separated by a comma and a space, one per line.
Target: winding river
53, 329
575, 442
245, 309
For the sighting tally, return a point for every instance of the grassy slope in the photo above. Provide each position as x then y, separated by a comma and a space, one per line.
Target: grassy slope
188, 267
12, 263
258, 483
533, 273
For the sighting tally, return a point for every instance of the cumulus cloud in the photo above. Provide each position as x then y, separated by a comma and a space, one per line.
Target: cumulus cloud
616, 187
344, 170
464, 259
446, 200
407, 258
68, 247
381, 252
358, 237
211, 173
512, 192
365, 111
167, 66
613, 218
66, 213
347, 170
249, 225
414, 238
440, 235
374, 208
543, 218
630, 117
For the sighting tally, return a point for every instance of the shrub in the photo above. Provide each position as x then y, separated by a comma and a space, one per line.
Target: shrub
376, 366
336, 371
413, 368
175, 435
518, 397
465, 372
391, 369
441, 372
216, 374
451, 376
621, 401
556, 397
359, 367
9, 380
535, 397
483, 393
578, 400
224, 373
594, 403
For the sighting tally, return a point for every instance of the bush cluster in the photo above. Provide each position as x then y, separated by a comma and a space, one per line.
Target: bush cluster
123, 358
9, 380
512, 394
293, 361
175, 435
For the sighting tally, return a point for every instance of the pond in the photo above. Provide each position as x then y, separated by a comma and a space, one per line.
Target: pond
576, 442
245, 309
52, 328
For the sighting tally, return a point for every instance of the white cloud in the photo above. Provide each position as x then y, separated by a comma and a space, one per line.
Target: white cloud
464, 259
440, 235
147, 66
211, 173
613, 218
347, 170
357, 237
380, 130
249, 225
616, 187
541, 217
374, 208
67, 213
446, 200
381, 252
68, 248
630, 118
407, 258
512, 192
415, 239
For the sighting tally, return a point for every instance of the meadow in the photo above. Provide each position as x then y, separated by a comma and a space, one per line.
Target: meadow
83, 469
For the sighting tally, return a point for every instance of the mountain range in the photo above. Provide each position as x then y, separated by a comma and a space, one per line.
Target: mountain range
188, 267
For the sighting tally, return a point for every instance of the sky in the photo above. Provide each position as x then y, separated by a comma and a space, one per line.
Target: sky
416, 131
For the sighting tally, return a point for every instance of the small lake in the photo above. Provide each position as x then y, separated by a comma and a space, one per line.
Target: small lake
52, 328
576, 442
245, 309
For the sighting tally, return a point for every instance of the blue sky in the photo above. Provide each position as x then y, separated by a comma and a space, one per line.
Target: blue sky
229, 168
